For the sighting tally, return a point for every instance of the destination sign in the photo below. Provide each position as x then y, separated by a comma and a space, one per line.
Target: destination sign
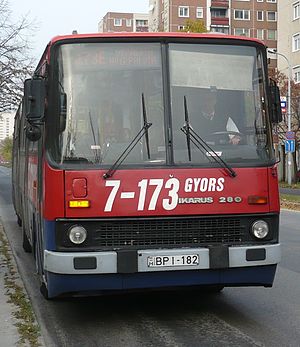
126, 56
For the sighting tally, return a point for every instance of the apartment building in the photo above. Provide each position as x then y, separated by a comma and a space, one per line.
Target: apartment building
6, 125
289, 37
253, 18
124, 22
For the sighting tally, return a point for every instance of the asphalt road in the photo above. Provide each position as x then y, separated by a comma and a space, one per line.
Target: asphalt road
235, 317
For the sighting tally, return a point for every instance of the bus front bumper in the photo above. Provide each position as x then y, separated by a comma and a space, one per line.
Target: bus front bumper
144, 261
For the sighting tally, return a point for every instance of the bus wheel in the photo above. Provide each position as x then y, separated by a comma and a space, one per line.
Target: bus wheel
212, 289
44, 291
19, 221
26, 244
215, 289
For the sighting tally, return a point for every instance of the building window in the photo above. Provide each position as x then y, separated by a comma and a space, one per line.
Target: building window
220, 13
296, 73
271, 34
260, 34
274, 1
242, 32
296, 10
181, 27
183, 11
271, 16
296, 42
199, 12
260, 15
242, 14
117, 22
141, 23
260, 0
220, 29
128, 22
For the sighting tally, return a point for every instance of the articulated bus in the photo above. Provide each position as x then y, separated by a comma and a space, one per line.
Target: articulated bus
123, 181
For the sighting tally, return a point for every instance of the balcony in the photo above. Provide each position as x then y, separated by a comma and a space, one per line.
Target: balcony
220, 4
220, 21
142, 29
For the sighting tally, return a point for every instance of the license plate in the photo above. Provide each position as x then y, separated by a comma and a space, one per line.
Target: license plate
173, 260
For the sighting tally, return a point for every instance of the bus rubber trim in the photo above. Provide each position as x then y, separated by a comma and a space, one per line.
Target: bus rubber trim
85, 263
127, 261
218, 257
256, 254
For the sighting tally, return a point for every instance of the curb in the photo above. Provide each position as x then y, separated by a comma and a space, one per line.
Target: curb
19, 325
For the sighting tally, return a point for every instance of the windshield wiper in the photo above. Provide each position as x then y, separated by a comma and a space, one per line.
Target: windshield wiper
188, 128
192, 136
95, 147
132, 144
146, 128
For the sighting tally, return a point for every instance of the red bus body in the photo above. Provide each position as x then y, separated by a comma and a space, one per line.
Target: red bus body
153, 226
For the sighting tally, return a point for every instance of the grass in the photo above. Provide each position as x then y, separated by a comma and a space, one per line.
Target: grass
291, 202
26, 323
9, 165
291, 198
286, 185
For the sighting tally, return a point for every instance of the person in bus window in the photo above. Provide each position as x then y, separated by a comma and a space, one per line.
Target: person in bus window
211, 118
114, 128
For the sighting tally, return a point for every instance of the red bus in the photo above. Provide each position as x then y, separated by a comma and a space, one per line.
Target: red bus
122, 179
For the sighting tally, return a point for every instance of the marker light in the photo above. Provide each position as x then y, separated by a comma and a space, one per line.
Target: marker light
260, 229
77, 234
257, 200
79, 203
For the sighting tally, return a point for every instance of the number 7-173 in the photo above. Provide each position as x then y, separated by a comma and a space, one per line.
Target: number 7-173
169, 188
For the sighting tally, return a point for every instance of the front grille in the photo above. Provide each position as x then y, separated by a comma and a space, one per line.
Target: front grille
178, 232
158, 232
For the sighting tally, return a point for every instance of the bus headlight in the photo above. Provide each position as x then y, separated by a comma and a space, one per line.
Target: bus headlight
260, 229
77, 234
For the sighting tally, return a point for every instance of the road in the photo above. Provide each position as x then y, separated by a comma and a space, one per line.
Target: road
235, 317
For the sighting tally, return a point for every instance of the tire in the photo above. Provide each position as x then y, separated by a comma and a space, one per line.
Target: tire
26, 244
215, 289
19, 221
44, 291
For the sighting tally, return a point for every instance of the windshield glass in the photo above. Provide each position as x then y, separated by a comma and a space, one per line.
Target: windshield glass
225, 103
103, 92
100, 87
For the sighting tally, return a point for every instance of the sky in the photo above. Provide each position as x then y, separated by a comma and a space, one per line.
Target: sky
58, 17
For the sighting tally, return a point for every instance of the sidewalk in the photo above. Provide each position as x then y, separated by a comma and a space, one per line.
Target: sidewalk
8, 330
18, 325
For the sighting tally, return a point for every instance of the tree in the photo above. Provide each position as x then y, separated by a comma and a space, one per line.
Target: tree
6, 149
282, 82
194, 26
15, 62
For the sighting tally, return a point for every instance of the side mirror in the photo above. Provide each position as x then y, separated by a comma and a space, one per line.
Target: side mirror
34, 99
276, 114
33, 132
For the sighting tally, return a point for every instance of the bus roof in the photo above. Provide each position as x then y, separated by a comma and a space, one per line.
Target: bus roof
147, 35
153, 35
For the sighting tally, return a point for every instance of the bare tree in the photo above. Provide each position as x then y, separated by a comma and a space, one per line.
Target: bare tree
282, 81
15, 61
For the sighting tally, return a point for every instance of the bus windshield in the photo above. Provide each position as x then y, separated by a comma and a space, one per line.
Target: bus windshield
100, 88
221, 89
